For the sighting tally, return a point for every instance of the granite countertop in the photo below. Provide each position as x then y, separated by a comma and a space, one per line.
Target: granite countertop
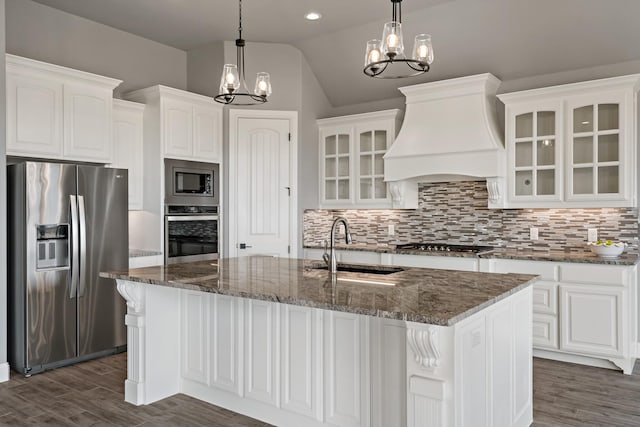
583, 256
561, 256
136, 253
439, 297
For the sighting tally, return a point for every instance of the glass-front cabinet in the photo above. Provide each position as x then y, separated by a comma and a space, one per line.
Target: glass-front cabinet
573, 145
337, 168
533, 147
351, 159
596, 170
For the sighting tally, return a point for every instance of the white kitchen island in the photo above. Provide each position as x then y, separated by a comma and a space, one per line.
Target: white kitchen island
282, 342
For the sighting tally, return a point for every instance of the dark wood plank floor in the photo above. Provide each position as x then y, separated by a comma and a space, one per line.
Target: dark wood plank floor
565, 394
91, 394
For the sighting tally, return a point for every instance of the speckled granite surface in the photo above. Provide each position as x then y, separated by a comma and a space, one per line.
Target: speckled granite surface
626, 258
136, 253
559, 256
439, 297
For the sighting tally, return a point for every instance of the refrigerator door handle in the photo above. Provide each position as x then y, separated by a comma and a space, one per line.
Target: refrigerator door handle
75, 259
83, 246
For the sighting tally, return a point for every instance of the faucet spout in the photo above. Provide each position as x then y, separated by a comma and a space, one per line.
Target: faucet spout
333, 265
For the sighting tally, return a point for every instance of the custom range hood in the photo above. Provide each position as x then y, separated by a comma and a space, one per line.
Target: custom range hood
450, 133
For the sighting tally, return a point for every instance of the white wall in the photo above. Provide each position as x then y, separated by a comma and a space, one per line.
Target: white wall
204, 68
46, 34
4, 367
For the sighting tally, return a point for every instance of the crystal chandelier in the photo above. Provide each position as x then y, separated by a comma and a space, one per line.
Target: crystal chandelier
233, 87
387, 55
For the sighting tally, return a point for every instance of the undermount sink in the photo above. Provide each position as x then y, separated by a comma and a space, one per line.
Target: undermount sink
368, 269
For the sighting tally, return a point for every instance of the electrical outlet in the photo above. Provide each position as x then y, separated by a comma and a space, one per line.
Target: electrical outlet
592, 234
533, 233
391, 230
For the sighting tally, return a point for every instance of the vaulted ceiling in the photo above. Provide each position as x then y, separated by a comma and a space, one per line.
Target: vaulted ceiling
509, 38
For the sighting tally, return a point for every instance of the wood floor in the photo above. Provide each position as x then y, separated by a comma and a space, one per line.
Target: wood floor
91, 394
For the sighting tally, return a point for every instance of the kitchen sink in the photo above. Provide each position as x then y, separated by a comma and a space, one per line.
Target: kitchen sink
368, 269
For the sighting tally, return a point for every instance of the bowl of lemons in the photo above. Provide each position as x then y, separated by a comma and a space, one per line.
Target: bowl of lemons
607, 248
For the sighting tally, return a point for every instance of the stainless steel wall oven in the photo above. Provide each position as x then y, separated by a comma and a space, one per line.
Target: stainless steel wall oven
191, 233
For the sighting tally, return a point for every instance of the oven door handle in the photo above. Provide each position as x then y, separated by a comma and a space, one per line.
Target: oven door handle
192, 218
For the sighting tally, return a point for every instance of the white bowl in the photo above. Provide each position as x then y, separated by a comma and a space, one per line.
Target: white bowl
605, 251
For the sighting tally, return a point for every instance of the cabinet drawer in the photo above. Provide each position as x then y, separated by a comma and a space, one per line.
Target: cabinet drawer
545, 297
546, 270
600, 274
545, 331
436, 262
359, 256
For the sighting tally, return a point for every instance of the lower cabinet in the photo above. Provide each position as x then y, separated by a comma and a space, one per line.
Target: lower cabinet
584, 310
592, 319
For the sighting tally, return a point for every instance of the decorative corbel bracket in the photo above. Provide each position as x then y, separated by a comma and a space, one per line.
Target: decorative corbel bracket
423, 345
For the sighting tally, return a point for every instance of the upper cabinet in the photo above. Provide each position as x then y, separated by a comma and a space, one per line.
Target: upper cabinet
128, 122
189, 125
55, 112
351, 159
573, 145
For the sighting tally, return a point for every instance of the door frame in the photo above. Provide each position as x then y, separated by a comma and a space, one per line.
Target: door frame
234, 117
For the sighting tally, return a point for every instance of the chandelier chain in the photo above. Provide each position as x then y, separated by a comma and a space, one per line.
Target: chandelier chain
240, 19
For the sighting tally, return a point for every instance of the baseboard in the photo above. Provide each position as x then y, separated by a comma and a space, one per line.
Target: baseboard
635, 349
4, 372
574, 358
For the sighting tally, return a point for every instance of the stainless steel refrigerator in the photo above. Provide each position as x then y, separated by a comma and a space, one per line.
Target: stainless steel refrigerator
66, 224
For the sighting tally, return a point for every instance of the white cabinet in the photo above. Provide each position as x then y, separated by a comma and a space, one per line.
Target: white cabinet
573, 145
351, 159
346, 369
581, 310
437, 262
34, 116
300, 360
128, 122
55, 112
592, 319
190, 125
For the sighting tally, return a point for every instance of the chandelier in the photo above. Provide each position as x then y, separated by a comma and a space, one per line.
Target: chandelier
387, 55
233, 87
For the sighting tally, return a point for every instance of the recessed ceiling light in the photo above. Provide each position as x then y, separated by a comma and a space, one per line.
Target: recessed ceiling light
313, 16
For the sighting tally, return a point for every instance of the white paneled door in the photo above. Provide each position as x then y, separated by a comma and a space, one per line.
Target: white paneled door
263, 187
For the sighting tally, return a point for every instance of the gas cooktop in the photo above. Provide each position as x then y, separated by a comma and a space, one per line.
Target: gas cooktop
443, 247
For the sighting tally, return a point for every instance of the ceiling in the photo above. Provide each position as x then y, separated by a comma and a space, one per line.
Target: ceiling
509, 38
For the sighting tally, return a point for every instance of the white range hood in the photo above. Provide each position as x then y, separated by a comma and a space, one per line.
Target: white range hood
450, 133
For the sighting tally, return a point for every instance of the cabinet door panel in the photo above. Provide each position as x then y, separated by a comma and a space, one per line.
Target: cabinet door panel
261, 351
344, 369
299, 360
127, 141
195, 336
178, 128
207, 134
225, 357
592, 319
87, 123
34, 116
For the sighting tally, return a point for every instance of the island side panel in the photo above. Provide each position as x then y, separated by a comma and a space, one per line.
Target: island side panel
153, 341
493, 372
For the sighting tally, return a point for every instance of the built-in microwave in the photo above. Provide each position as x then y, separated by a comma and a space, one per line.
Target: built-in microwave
191, 183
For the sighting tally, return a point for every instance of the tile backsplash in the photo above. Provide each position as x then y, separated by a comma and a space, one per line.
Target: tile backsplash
456, 212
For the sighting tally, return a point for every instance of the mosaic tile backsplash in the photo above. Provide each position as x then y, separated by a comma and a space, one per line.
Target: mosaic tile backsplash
457, 212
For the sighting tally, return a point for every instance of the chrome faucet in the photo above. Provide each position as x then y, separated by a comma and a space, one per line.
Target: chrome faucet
333, 265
